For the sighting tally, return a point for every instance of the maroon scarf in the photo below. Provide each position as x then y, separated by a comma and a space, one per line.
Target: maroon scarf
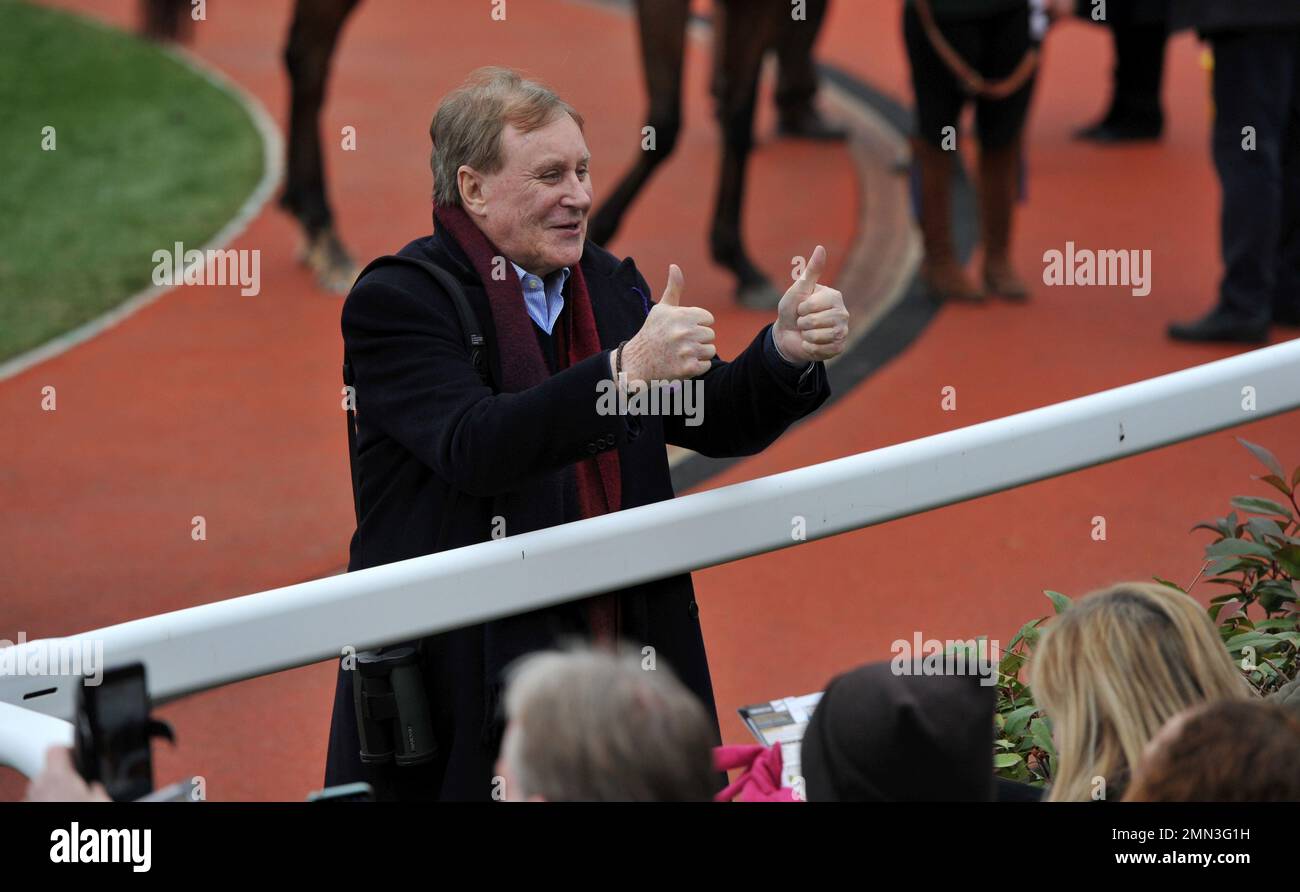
523, 366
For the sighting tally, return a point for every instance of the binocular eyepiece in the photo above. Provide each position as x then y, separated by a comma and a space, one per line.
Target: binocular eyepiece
392, 710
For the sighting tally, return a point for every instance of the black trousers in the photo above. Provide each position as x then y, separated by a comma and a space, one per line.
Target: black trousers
1257, 86
1139, 69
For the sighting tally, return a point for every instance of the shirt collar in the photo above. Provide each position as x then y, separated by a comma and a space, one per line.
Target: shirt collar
525, 275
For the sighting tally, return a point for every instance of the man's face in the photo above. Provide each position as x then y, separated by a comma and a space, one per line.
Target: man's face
535, 207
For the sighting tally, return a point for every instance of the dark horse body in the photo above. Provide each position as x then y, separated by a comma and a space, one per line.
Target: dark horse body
746, 30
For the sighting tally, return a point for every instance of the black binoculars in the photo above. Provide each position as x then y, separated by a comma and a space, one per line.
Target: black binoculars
392, 709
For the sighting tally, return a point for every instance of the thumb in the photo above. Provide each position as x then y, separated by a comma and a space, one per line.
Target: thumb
676, 285
812, 271
805, 285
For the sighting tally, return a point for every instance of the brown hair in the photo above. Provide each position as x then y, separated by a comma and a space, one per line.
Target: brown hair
1117, 665
1223, 752
466, 128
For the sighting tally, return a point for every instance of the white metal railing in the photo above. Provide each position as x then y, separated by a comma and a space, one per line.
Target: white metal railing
203, 647
25, 735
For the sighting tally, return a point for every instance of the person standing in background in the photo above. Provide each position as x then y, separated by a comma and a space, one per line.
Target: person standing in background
1256, 139
962, 50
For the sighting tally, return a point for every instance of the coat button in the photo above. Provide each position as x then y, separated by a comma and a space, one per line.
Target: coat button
591, 448
693, 609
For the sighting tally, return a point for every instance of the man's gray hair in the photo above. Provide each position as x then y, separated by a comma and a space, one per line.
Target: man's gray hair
589, 726
467, 126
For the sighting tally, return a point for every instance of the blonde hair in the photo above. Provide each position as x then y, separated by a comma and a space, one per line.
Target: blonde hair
1113, 668
466, 128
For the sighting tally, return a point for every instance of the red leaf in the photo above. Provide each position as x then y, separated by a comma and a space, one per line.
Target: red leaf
1276, 482
1228, 610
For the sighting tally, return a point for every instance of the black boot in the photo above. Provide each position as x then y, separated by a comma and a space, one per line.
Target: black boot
1112, 129
808, 123
1218, 325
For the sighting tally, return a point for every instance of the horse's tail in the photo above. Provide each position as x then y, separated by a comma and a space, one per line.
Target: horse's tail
164, 20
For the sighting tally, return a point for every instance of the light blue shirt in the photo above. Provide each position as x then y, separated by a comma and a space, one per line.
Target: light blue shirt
543, 300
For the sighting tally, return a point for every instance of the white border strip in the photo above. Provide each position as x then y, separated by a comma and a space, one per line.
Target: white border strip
272, 173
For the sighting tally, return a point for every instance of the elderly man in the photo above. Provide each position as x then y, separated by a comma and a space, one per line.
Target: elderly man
447, 457
590, 726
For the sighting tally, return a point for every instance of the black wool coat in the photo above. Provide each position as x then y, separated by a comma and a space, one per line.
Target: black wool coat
1211, 16
441, 454
1126, 12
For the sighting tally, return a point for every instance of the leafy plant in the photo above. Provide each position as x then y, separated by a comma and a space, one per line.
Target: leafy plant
1257, 557
1022, 745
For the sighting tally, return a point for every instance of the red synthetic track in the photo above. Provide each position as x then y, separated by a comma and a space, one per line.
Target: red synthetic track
214, 404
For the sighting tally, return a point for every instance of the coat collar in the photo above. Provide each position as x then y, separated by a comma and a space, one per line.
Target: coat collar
596, 261
606, 277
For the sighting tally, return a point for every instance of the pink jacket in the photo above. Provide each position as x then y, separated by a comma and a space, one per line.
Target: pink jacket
761, 779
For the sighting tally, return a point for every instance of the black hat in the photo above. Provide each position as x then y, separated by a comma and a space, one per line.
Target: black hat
877, 736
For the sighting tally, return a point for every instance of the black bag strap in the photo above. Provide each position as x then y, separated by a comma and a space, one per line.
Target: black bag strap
475, 342
474, 339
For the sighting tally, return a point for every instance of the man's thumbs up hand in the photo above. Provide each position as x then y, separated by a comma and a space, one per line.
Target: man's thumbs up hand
812, 323
675, 343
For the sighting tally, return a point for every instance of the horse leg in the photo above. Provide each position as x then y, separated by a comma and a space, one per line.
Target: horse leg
796, 81
313, 36
741, 37
163, 20
662, 28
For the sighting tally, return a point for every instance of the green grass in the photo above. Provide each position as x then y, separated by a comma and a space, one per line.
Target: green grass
147, 153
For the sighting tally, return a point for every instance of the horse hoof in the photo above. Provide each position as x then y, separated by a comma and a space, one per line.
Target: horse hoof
331, 264
337, 279
758, 295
